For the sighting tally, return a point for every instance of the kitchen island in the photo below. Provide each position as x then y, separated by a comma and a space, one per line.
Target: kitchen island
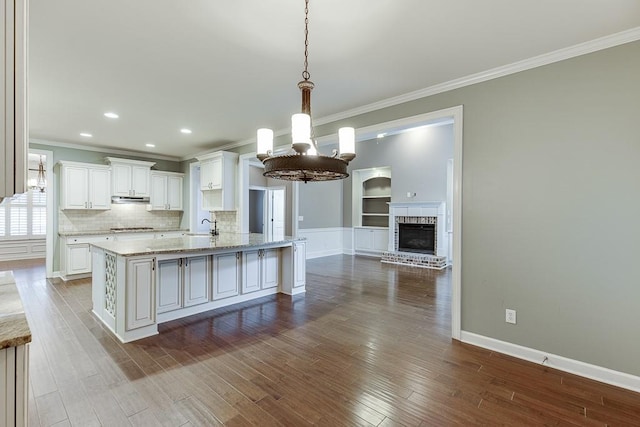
138, 284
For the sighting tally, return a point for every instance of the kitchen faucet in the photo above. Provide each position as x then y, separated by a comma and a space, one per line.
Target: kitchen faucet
214, 231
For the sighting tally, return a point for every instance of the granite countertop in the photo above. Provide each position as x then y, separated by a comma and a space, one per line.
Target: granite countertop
108, 232
14, 329
192, 243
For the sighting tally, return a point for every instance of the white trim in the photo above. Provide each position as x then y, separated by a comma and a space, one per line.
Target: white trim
321, 242
102, 149
587, 370
591, 46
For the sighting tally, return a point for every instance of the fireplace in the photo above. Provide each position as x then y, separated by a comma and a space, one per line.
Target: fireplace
418, 238
417, 235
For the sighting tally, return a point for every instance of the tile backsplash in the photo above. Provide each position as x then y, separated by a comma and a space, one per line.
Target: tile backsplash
120, 216
227, 222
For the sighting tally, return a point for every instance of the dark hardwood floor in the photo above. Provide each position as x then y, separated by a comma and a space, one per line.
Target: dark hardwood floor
368, 344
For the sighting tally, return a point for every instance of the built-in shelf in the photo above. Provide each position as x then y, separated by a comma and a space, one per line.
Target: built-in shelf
375, 214
377, 197
371, 197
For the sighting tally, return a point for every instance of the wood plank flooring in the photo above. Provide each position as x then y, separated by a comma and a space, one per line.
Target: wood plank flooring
367, 345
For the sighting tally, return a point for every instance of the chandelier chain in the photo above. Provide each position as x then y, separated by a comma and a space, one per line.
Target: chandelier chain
305, 73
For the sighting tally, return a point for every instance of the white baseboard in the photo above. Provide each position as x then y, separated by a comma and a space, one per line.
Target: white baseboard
594, 372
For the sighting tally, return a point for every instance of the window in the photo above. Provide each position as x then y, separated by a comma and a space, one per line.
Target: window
24, 216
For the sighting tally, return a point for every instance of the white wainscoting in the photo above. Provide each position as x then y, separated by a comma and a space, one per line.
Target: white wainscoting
348, 241
323, 241
598, 373
22, 249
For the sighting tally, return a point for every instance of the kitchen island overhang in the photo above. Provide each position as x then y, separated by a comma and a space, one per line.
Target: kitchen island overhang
138, 284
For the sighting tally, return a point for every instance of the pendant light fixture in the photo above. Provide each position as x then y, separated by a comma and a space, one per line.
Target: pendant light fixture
41, 181
304, 161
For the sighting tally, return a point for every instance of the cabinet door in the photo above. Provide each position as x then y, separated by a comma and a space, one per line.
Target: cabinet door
196, 280
140, 181
206, 175
250, 271
216, 174
270, 271
169, 285
140, 301
99, 189
381, 240
174, 193
299, 264
78, 259
158, 198
121, 180
226, 275
363, 239
74, 194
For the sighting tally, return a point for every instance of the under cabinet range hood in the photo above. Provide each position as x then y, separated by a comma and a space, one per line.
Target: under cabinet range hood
129, 199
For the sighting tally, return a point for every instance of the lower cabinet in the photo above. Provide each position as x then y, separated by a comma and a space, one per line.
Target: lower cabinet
196, 280
299, 264
140, 295
76, 254
226, 275
260, 270
371, 240
182, 282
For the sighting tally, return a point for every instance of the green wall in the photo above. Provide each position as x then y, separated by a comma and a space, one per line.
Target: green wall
550, 204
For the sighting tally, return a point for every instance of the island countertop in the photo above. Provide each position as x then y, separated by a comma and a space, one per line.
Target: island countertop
14, 329
194, 244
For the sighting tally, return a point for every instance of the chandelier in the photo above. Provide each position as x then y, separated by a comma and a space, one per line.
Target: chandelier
304, 162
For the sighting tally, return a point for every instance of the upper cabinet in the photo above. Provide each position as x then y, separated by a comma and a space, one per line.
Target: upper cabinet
13, 96
130, 178
84, 186
218, 180
166, 191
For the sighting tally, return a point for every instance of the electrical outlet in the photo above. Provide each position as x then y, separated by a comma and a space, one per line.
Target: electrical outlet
510, 316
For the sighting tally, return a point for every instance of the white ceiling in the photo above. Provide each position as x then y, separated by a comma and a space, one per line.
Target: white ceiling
224, 69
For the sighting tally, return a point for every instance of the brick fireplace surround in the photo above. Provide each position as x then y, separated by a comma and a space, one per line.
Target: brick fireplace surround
417, 213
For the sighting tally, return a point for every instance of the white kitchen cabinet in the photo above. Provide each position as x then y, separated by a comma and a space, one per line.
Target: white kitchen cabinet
196, 280
169, 285
170, 234
251, 277
140, 293
270, 272
218, 180
370, 240
166, 191
130, 178
84, 186
182, 282
294, 268
13, 97
260, 270
226, 275
76, 255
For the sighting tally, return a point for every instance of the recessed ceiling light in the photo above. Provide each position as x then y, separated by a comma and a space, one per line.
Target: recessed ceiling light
150, 145
185, 130
382, 135
111, 115
86, 135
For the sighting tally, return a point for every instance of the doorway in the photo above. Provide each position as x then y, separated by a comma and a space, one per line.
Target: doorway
267, 210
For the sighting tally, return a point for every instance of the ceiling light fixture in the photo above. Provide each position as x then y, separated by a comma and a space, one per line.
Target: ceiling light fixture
185, 130
111, 115
150, 145
303, 162
41, 181
86, 135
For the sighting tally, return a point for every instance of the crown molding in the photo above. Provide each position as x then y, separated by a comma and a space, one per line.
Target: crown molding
591, 46
100, 149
